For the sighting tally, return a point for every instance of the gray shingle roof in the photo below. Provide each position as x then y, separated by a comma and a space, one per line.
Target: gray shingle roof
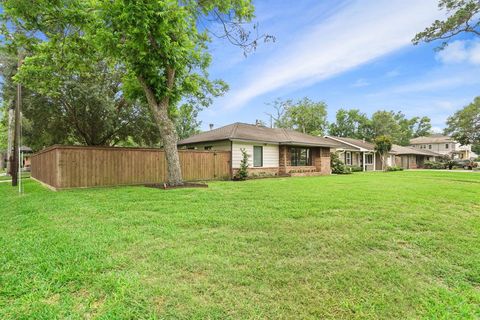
396, 149
249, 132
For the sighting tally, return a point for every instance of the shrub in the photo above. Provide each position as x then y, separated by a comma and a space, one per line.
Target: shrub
394, 168
355, 168
434, 165
337, 165
242, 173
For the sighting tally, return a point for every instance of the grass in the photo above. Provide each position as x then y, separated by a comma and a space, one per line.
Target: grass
375, 245
24, 175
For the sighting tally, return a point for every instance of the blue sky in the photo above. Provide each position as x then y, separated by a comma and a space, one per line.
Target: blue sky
349, 54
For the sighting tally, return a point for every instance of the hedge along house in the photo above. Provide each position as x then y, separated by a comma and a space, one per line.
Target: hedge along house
355, 152
271, 151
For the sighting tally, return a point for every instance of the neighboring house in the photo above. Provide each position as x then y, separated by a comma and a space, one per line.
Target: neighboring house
272, 151
26, 156
410, 158
444, 145
356, 152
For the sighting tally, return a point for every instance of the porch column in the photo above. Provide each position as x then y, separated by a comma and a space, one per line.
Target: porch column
374, 161
364, 166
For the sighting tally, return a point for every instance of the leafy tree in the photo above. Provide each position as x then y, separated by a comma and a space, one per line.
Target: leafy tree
186, 121
86, 106
464, 125
305, 115
463, 17
159, 43
351, 123
383, 145
386, 123
398, 127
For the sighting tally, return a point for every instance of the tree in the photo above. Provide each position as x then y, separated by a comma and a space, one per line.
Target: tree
84, 106
398, 127
351, 123
463, 17
464, 125
383, 145
386, 123
186, 121
242, 172
160, 43
305, 116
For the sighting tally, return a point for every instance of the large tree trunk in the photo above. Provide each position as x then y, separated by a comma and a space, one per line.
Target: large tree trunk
167, 131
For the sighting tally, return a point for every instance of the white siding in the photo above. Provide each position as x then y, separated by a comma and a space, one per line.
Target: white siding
270, 154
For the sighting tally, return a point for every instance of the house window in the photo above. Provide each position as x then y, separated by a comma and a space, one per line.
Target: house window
429, 146
348, 158
369, 159
208, 148
446, 146
257, 156
300, 157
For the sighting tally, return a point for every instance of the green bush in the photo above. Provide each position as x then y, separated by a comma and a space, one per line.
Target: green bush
434, 165
394, 168
242, 173
355, 168
337, 165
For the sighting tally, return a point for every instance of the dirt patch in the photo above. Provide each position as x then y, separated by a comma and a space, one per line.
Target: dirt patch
164, 186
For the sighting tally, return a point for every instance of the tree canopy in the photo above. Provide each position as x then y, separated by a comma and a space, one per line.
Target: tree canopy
464, 125
162, 45
352, 123
463, 17
304, 115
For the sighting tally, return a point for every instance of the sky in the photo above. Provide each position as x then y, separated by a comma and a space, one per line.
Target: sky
349, 54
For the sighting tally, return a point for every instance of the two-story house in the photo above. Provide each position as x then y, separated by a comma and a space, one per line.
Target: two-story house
444, 145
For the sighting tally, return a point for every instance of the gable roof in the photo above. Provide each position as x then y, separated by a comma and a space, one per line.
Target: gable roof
250, 132
357, 143
434, 138
399, 150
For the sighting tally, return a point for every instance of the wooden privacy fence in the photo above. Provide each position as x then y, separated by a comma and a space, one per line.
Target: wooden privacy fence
78, 166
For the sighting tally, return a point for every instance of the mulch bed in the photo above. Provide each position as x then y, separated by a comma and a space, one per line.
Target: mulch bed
164, 186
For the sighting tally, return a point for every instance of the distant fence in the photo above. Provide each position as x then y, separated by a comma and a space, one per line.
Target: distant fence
77, 166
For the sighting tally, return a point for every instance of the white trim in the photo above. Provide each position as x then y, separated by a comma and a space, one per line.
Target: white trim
349, 144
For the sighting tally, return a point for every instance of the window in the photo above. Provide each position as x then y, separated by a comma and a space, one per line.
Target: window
257, 156
429, 146
369, 159
446, 146
348, 158
208, 148
300, 157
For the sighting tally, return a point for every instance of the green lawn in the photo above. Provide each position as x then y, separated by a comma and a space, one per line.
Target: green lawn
377, 245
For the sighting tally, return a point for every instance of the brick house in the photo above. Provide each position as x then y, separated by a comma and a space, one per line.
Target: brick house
271, 151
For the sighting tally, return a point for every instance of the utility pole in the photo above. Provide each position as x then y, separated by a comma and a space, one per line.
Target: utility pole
10, 128
16, 165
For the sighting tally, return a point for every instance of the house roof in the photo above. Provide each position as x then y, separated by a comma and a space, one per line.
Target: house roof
356, 143
249, 132
435, 138
399, 150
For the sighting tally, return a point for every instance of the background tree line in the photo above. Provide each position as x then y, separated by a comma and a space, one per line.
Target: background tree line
310, 117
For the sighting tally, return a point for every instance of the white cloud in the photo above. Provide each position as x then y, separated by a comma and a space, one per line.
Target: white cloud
361, 83
360, 32
460, 51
